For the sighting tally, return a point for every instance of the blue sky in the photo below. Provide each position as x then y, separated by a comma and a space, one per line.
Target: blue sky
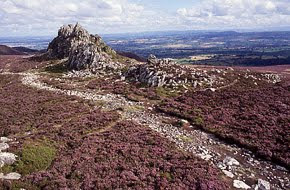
44, 17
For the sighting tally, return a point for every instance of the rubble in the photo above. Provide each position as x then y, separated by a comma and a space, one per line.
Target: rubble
7, 158
240, 185
10, 176
262, 185
229, 174
272, 78
168, 73
230, 161
3, 146
5, 139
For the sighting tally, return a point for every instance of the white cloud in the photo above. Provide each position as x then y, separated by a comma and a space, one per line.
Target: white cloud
38, 17
47, 15
237, 13
237, 8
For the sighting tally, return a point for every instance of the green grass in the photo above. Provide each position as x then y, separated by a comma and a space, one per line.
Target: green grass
6, 169
185, 138
134, 108
163, 92
35, 157
56, 68
32, 158
167, 175
199, 121
17, 185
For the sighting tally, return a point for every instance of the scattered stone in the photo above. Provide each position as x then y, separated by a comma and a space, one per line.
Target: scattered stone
7, 158
152, 59
3, 146
281, 168
5, 139
263, 185
206, 157
240, 185
221, 166
10, 176
229, 174
1, 164
230, 161
272, 78
184, 123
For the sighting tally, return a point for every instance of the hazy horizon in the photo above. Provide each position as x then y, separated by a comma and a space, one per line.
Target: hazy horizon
151, 32
44, 17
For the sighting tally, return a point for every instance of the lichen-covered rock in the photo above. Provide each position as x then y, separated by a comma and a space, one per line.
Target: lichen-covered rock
263, 185
240, 185
83, 50
151, 73
3, 146
4, 139
7, 158
152, 59
10, 176
230, 161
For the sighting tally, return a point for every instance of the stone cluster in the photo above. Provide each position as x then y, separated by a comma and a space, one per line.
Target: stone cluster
7, 158
272, 78
195, 141
166, 72
83, 50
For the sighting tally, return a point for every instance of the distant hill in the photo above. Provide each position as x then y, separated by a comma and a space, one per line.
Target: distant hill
5, 50
25, 50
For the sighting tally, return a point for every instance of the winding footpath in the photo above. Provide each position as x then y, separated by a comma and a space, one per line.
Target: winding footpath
246, 171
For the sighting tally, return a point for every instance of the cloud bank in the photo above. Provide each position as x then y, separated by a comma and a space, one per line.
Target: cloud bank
238, 13
47, 15
31, 17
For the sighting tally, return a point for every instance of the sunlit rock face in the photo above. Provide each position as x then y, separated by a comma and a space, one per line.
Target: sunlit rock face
83, 50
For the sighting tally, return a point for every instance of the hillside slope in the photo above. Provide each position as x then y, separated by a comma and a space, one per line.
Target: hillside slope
5, 50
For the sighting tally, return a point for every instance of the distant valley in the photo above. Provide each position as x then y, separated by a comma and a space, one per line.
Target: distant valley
193, 47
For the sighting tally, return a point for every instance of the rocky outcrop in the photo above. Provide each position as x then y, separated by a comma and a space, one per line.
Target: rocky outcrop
149, 73
83, 50
166, 72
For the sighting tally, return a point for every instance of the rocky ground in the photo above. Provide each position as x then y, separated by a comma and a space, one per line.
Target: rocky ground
78, 116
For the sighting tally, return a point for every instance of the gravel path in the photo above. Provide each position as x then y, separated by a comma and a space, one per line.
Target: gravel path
246, 171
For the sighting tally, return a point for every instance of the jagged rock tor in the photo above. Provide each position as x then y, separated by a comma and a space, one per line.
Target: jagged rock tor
83, 50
